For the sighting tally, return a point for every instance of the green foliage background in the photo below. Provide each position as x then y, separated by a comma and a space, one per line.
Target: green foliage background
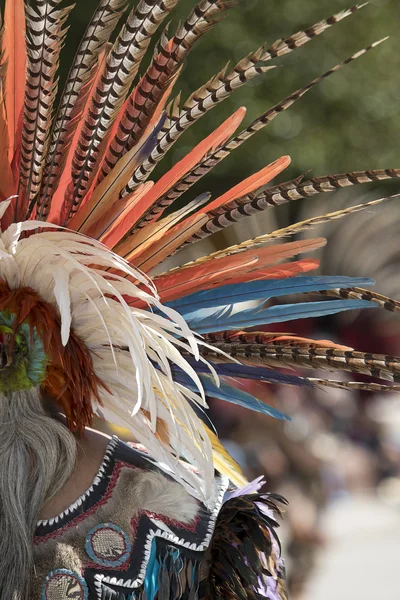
350, 121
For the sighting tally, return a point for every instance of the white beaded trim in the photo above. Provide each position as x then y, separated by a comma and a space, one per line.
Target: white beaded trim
100, 475
166, 534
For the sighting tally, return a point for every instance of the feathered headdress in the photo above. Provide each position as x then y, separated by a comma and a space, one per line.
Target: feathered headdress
83, 228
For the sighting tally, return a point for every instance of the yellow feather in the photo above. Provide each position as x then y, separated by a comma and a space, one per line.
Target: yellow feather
223, 461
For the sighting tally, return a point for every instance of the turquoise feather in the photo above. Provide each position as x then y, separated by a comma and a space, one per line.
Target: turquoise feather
30, 365
230, 394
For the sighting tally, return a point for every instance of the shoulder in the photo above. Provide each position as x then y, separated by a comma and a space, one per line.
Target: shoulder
152, 491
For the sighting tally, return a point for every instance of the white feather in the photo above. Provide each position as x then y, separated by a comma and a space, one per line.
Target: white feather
131, 348
61, 294
4, 205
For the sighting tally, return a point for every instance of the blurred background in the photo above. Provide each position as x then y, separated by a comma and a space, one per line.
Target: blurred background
338, 460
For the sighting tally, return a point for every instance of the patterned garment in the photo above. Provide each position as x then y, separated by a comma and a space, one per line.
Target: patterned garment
137, 534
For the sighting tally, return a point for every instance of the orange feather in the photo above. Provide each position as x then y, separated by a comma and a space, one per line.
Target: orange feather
300, 341
210, 143
14, 49
172, 286
116, 221
246, 266
267, 337
187, 280
168, 244
284, 271
57, 214
255, 181
6, 176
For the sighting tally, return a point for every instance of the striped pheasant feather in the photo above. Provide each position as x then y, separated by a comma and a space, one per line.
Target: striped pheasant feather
258, 201
45, 34
74, 96
213, 159
159, 79
221, 87
120, 69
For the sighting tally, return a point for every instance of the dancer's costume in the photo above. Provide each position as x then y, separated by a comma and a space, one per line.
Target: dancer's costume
82, 228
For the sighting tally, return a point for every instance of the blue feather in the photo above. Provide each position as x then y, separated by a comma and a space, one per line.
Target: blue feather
249, 372
229, 394
255, 290
210, 321
151, 142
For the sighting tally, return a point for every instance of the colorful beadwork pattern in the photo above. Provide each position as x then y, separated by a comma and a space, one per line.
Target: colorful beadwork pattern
108, 545
63, 584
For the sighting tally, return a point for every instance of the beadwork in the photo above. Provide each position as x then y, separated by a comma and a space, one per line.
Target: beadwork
63, 584
108, 545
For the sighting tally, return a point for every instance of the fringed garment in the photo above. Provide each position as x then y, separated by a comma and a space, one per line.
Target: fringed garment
137, 534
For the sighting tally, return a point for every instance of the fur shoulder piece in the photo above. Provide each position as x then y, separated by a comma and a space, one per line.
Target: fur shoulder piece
244, 555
